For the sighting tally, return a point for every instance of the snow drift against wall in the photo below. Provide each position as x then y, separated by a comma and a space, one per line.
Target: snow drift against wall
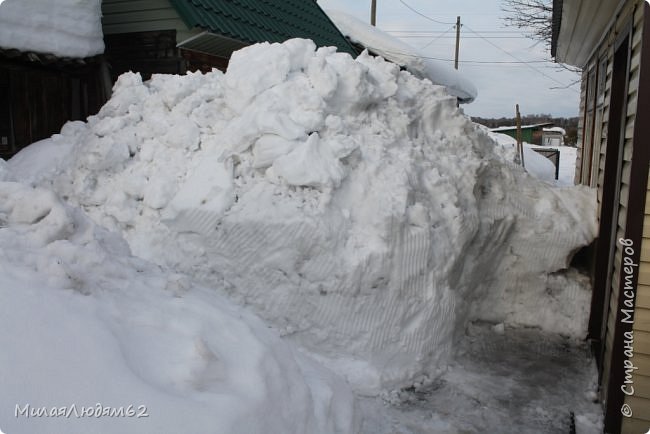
350, 204
65, 28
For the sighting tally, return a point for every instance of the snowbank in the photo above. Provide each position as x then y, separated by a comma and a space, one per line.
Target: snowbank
391, 48
350, 204
536, 164
85, 324
65, 28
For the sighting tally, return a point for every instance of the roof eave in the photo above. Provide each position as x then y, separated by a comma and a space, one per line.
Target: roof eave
581, 28
556, 23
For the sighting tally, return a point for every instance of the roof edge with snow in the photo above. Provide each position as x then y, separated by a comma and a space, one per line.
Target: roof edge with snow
396, 51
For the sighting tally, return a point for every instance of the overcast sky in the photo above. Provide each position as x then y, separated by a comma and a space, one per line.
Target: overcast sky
500, 86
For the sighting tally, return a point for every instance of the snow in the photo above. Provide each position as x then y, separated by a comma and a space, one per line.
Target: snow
65, 28
249, 249
538, 165
555, 130
84, 322
506, 380
394, 50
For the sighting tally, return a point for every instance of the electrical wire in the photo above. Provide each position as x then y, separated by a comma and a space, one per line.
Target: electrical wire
424, 16
521, 61
435, 39
496, 62
517, 60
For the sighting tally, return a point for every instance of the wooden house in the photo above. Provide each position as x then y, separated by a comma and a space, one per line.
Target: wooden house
611, 43
174, 36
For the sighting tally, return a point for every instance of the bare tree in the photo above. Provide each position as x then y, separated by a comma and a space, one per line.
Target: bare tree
534, 17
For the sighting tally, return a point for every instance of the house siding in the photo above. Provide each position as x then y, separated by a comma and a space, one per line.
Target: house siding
590, 170
127, 16
640, 401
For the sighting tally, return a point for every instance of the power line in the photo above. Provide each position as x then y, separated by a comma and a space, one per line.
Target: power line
435, 39
519, 60
440, 31
495, 62
453, 37
424, 16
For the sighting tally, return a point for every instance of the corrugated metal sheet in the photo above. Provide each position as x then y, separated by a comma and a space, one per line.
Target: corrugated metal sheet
212, 44
255, 21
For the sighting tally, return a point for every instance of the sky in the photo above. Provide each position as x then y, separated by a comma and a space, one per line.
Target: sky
539, 87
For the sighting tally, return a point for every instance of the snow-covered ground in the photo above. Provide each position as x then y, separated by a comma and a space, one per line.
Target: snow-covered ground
538, 165
249, 251
506, 380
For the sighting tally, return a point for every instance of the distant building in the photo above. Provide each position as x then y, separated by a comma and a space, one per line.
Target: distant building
553, 136
529, 133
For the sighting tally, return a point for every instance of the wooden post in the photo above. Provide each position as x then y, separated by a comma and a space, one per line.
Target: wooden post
520, 145
457, 42
373, 13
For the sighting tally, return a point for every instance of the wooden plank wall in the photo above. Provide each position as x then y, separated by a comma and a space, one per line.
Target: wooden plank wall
152, 52
42, 99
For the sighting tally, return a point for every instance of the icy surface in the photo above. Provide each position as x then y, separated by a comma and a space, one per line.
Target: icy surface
85, 323
349, 204
391, 48
506, 380
65, 28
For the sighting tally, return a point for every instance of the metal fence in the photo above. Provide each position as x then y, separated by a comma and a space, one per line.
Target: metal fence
553, 155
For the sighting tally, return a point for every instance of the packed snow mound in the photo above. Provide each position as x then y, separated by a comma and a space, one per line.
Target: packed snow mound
85, 324
393, 49
352, 205
65, 28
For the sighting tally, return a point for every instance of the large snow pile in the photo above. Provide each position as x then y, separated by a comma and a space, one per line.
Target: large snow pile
65, 28
87, 326
393, 49
350, 204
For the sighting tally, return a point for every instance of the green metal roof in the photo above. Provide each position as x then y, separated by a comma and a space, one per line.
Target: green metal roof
255, 21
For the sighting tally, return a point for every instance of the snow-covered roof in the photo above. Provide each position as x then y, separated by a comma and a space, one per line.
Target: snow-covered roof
555, 130
514, 127
394, 50
65, 28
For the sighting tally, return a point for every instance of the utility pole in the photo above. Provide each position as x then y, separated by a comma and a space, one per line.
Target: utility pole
520, 145
457, 41
373, 13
